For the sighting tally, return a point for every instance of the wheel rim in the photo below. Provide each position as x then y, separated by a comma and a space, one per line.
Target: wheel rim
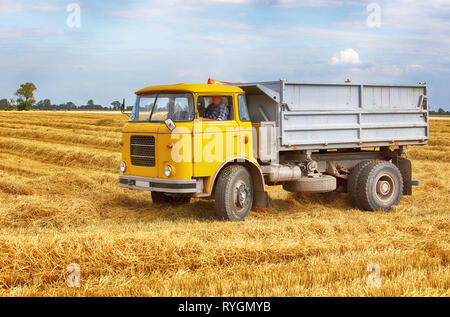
386, 188
241, 197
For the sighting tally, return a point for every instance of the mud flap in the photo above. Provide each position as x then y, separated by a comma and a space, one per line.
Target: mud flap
404, 165
261, 199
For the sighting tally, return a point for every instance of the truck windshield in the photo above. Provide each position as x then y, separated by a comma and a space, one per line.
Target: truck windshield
159, 107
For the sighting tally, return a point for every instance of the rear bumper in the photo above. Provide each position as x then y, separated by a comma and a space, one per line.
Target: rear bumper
159, 185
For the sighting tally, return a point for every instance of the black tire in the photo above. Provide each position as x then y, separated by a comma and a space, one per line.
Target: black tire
380, 186
161, 198
234, 193
352, 182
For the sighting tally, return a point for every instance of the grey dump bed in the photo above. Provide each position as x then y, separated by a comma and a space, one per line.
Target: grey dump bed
310, 116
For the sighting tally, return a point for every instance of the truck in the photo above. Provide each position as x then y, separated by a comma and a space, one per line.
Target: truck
307, 137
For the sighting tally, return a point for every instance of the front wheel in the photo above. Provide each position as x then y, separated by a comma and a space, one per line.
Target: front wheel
161, 198
234, 193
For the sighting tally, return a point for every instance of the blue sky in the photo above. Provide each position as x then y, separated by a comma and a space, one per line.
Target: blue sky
122, 46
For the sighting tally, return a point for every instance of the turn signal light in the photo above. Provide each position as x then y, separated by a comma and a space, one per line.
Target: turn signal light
246, 139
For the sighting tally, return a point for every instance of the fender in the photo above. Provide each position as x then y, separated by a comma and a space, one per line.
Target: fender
261, 197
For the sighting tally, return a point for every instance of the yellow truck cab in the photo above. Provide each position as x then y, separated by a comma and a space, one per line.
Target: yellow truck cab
308, 137
172, 151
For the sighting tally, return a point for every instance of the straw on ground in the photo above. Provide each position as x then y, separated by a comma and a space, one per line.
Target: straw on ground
61, 205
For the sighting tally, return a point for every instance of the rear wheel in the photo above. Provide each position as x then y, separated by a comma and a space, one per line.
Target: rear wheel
161, 198
353, 178
234, 193
380, 186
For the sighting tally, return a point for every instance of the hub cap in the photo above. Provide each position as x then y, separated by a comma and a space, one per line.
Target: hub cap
242, 195
385, 188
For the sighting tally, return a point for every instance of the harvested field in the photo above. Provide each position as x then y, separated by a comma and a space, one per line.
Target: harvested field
61, 204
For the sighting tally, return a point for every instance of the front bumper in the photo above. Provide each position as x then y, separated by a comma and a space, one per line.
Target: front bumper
160, 185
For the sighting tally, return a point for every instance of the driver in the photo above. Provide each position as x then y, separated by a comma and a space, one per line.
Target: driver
217, 110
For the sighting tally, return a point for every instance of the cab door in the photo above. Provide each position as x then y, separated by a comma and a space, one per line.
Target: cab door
215, 141
245, 127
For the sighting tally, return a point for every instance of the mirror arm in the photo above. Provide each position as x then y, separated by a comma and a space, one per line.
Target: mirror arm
122, 108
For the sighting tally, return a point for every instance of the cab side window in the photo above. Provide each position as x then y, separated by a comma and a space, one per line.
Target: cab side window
203, 102
243, 110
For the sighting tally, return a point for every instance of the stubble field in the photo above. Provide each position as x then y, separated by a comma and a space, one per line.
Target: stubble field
60, 204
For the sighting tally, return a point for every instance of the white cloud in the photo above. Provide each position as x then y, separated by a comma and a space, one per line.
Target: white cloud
402, 15
414, 67
177, 17
13, 33
346, 57
13, 6
9, 6
312, 3
275, 3
148, 13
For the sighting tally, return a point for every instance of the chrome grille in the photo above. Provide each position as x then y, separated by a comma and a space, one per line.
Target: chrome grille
142, 150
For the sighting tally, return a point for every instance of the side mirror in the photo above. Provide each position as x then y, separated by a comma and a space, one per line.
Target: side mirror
122, 106
170, 124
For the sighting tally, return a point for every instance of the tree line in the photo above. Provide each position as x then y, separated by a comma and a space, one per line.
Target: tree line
24, 100
441, 112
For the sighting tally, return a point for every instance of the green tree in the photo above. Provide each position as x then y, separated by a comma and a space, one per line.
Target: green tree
116, 105
25, 96
441, 111
44, 104
91, 103
71, 105
4, 104
47, 103
12, 105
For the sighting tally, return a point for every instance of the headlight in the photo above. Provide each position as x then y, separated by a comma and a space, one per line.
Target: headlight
168, 171
123, 167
